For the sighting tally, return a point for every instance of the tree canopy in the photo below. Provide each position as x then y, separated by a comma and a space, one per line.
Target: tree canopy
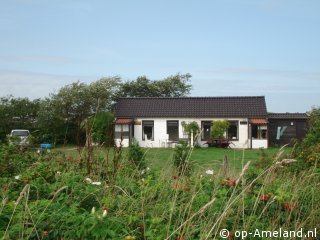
58, 118
172, 86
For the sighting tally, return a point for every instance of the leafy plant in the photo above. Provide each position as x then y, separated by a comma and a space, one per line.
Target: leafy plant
137, 155
181, 159
219, 128
191, 127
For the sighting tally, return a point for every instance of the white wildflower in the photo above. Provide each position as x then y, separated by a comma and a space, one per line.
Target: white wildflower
38, 151
58, 173
17, 177
96, 183
209, 172
104, 214
88, 180
93, 210
4, 201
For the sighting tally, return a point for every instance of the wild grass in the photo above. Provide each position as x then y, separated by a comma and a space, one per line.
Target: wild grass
57, 202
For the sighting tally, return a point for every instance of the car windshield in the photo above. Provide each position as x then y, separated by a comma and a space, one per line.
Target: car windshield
21, 133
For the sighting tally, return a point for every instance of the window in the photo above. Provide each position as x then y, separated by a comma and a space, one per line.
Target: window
121, 131
147, 130
205, 130
232, 132
259, 131
173, 130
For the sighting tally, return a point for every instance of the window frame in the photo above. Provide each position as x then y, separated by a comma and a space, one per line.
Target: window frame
237, 126
123, 133
147, 123
202, 130
259, 132
177, 125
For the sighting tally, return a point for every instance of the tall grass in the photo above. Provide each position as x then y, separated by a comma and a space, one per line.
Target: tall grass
57, 200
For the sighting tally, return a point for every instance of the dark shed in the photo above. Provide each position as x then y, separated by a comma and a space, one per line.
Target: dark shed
283, 127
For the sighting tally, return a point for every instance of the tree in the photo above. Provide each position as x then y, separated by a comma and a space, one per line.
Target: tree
18, 113
76, 102
313, 135
172, 86
219, 128
102, 128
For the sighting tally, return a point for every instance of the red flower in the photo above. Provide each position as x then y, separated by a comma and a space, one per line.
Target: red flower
265, 197
105, 208
187, 188
290, 207
141, 228
229, 182
230, 235
44, 232
232, 182
25, 180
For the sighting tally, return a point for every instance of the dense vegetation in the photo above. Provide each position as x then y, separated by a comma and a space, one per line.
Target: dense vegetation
109, 193
60, 117
51, 195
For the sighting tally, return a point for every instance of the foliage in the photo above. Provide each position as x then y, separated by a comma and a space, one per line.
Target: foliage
18, 113
55, 199
172, 86
181, 158
219, 128
137, 155
313, 135
13, 160
308, 151
191, 127
102, 128
78, 101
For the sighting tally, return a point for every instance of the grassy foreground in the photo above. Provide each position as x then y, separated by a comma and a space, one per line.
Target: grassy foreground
50, 195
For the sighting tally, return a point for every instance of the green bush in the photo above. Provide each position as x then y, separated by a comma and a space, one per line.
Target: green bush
14, 159
219, 128
181, 159
137, 155
55, 199
308, 151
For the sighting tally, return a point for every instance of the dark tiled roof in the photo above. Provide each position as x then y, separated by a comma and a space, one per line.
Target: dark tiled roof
215, 107
287, 116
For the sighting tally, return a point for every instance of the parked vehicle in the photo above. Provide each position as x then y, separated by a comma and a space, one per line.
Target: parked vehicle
19, 137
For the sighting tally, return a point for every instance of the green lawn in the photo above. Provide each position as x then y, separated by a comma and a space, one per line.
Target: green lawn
203, 158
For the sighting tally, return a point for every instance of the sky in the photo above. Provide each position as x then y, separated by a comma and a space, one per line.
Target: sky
265, 48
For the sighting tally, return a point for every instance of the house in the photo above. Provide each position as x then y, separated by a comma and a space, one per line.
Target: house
158, 122
283, 127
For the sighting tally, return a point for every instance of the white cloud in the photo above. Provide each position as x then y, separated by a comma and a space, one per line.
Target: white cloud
34, 85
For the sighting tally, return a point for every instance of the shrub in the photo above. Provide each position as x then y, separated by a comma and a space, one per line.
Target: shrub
181, 158
14, 159
191, 127
137, 155
219, 128
308, 151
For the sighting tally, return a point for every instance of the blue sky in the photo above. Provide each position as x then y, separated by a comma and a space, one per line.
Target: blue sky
230, 47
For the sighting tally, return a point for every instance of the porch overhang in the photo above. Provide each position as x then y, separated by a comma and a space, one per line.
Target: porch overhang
123, 121
258, 121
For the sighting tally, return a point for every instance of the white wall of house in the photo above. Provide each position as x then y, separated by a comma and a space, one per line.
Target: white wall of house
259, 143
123, 143
160, 132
